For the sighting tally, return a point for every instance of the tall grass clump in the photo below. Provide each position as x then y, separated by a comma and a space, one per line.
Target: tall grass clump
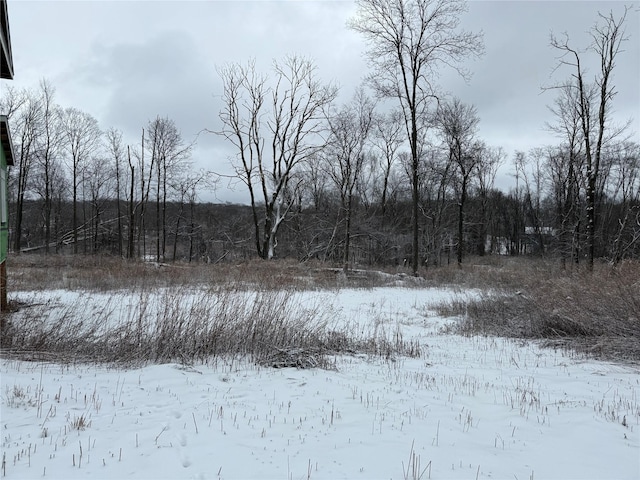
596, 313
187, 324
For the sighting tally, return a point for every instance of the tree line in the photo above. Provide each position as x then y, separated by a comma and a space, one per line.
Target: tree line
66, 161
397, 174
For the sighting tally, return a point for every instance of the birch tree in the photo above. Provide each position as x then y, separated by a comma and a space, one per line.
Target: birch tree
274, 127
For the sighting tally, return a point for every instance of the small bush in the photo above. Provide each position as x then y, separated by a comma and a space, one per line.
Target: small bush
79, 423
17, 396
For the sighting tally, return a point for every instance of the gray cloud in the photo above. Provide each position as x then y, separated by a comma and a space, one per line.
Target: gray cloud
165, 76
127, 61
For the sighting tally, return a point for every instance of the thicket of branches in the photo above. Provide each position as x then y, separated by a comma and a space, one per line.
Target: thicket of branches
528, 220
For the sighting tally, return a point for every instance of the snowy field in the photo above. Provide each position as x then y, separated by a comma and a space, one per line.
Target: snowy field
469, 408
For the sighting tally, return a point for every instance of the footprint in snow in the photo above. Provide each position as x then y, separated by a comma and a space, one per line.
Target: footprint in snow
182, 451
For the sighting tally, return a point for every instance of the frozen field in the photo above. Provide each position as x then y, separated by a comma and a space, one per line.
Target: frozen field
469, 408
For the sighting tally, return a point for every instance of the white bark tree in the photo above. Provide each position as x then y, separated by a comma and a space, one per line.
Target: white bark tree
274, 128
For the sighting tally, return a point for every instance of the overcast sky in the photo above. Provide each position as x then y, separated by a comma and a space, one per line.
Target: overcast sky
125, 62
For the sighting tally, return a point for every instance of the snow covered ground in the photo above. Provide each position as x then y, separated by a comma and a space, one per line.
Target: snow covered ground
469, 408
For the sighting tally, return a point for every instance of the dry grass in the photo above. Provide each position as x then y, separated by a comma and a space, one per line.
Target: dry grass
495, 272
186, 324
597, 313
184, 312
103, 273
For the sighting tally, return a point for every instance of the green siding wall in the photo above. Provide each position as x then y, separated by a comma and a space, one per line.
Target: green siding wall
4, 220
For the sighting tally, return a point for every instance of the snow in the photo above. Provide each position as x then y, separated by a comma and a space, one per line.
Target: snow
470, 407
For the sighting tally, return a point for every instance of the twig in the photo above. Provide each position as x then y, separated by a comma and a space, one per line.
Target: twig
194, 422
161, 432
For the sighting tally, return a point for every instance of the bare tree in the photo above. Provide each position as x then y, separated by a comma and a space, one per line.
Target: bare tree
409, 42
315, 183
49, 150
565, 166
11, 100
186, 186
60, 194
147, 173
24, 109
115, 148
350, 128
387, 138
274, 129
458, 124
530, 168
98, 174
490, 159
594, 102
83, 140
132, 206
437, 178
168, 154
145, 188
627, 192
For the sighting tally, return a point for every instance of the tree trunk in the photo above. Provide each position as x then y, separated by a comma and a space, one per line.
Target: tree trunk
463, 197
47, 210
347, 235
415, 196
118, 212
132, 217
74, 221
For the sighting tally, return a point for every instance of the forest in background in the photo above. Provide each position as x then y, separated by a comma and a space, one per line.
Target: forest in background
91, 205
358, 183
